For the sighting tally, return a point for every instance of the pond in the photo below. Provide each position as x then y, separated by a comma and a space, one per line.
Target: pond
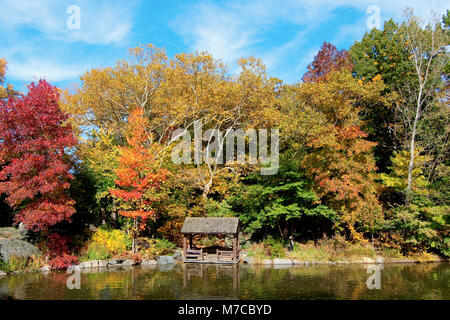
194, 281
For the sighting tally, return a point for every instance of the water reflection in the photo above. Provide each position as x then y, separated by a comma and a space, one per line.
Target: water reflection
199, 281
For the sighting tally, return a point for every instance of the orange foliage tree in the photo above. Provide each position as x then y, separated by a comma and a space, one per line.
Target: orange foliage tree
138, 178
338, 157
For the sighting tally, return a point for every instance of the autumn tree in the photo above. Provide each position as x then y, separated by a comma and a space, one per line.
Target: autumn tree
429, 56
138, 177
411, 61
380, 53
5, 91
34, 167
322, 122
174, 94
327, 59
2, 70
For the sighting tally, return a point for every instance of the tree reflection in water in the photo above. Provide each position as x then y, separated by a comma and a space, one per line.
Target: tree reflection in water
201, 281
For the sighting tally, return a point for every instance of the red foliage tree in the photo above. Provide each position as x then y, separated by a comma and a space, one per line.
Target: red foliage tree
34, 173
327, 59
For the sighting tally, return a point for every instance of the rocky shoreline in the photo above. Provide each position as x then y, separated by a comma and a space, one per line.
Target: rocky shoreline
364, 260
12, 242
117, 264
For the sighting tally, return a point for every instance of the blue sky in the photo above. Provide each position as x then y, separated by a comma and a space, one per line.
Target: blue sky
286, 34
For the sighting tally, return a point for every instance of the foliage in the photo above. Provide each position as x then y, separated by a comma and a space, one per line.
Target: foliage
336, 155
139, 179
398, 177
34, 170
381, 52
377, 113
58, 245
159, 247
275, 248
328, 59
7, 91
419, 225
62, 262
96, 251
19, 264
281, 202
114, 241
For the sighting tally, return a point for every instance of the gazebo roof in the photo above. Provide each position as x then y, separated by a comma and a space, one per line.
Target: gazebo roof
194, 225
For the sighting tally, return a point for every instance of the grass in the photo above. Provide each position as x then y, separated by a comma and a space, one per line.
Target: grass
96, 251
19, 264
324, 250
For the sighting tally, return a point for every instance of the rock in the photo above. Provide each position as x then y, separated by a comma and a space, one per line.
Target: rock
2, 274
94, 264
148, 263
22, 228
297, 262
102, 264
165, 260
267, 261
85, 264
128, 262
249, 260
112, 263
177, 256
73, 268
11, 234
282, 261
402, 261
367, 260
379, 260
45, 269
18, 248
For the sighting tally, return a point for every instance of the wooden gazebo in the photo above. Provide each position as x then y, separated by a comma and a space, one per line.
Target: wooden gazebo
210, 226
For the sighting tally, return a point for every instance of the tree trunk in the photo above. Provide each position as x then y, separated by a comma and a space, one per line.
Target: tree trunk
134, 236
279, 228
412, 146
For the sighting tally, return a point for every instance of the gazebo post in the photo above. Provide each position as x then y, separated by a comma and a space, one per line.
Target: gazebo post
238, 249
234, 247
184, 247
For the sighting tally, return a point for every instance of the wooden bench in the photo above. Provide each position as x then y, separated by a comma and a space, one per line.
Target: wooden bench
225, 255
194, 254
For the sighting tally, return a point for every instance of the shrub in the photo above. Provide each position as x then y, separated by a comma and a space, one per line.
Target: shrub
159, 247
15, 263
275, 248
3, 265
57, 245
115, 241
106, 243
96, 251
62, 262
256, 251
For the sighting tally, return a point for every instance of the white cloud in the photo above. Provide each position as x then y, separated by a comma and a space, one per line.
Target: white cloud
101, 23
236, 28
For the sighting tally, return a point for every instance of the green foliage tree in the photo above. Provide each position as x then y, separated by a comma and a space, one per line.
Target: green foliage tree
284, 203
